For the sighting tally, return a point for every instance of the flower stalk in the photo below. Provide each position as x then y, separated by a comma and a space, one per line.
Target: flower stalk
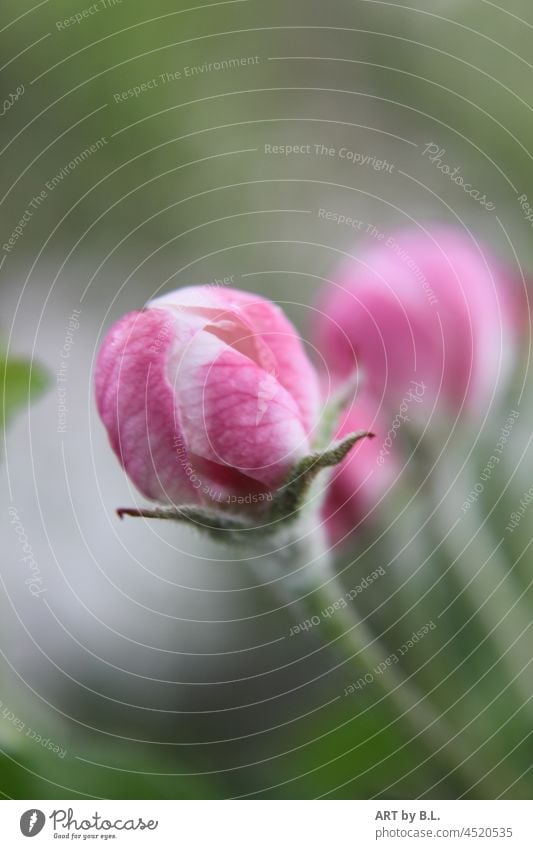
298, 564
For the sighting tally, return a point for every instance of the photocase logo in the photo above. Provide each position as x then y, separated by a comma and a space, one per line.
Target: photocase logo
32, 822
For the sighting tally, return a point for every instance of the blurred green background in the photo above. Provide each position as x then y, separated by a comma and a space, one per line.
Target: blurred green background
162, 672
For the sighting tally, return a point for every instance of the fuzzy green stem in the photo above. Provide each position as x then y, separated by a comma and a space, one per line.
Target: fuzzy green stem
313, 586
490, 585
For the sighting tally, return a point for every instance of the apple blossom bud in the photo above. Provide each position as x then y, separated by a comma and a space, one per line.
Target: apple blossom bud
208, 397
429, 307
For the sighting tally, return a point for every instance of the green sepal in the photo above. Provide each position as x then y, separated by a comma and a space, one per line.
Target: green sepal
210, 521
285, 506
339, 401
291, 496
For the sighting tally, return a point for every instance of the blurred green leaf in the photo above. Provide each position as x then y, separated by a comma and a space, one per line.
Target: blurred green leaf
358, 748
22, 382
25, 775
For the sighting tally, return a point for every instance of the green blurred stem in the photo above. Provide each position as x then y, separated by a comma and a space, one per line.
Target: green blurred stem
490, 585
301, 566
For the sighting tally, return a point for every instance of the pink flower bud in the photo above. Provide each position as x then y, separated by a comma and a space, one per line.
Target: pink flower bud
433, 308
207, 396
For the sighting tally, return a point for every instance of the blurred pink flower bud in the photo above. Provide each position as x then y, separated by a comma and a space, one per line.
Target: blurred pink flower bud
433, 308
207, 396
366, 474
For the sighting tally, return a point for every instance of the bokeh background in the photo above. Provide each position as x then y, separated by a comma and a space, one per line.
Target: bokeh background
157, 666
